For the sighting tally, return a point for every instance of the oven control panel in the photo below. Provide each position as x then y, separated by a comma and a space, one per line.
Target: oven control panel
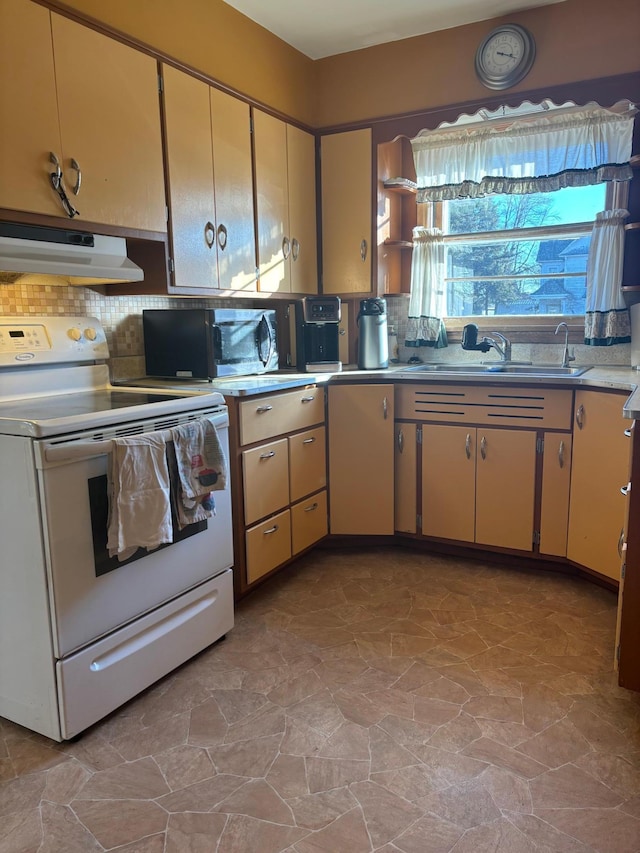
48, 340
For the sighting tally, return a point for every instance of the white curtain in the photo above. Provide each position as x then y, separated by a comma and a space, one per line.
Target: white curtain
427, 303
606, 319
567, 146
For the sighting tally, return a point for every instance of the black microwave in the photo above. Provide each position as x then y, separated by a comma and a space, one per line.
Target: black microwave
205, 343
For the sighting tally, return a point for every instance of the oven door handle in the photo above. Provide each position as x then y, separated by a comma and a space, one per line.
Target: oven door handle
76, 451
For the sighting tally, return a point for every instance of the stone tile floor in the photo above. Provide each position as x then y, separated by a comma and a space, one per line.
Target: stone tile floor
371, 700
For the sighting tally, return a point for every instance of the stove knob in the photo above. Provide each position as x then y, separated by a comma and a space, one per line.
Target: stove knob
90, 334
75, 334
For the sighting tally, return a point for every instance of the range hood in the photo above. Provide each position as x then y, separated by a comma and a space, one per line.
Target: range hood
28, 252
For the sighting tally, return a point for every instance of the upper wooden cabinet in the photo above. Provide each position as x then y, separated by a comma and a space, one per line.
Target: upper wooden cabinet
345, 160
92, 102
28, 108
210, 186
286, 206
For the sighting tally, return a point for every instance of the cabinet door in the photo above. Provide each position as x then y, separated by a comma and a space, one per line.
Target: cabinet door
448, 481
361, 459
406, 478
301, 172
233, 175
109, 110
272, 197
265, 472
268, 545
346, 212
600, 467
28, 108
190, 170
505, 488
308, 522
556, 480
307, 463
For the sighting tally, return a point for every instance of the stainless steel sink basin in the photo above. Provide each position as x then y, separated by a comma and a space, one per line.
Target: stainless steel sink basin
501, 369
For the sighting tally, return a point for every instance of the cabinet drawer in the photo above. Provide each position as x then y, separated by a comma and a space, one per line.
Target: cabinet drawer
289, 411
307, 463
268, 545
265, 474
308, 522
488, 405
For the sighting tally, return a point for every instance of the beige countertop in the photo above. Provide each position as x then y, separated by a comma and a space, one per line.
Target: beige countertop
606, 376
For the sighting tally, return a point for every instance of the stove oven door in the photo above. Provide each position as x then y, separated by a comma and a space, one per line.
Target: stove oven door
90, 593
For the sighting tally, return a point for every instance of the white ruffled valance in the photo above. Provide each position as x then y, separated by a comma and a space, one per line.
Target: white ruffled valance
562, 147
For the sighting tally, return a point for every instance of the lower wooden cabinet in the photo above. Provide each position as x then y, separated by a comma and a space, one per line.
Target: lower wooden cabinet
600, 468
554, 501
478, 485
308, 522
361, 459
279, 479
268, 545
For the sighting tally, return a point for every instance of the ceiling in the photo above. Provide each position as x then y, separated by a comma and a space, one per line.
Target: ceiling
321, 28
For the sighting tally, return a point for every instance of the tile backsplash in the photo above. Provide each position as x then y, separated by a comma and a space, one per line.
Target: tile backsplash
121, 317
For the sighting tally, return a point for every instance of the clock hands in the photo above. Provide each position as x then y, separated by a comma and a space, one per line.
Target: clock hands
502, 53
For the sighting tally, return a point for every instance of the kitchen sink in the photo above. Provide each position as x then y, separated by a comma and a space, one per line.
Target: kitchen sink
501, 369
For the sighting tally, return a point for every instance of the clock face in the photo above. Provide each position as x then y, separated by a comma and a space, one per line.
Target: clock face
505, 56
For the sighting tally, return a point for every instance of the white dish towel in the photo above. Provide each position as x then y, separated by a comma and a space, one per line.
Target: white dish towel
139, 495
198, 467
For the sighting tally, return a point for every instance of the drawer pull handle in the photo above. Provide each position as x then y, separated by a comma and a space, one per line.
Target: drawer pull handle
307, 399
262, 409
624, 490
311, 508
385, 408
580, 417
209, 234
271, 530
467, 446
401, 441
483, 447
268, 455
308, 440
561, 454
627, 432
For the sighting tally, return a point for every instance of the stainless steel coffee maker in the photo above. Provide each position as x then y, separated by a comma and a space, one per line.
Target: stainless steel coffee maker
317, 334
373, 339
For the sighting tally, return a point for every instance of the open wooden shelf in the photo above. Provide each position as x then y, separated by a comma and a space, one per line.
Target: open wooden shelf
403, 186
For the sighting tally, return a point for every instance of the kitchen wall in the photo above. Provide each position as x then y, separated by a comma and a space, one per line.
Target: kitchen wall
576, 39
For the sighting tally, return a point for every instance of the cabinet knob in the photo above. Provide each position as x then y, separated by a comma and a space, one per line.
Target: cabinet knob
295, 249
271, 530
286, 247
307, 399
400, 441
385, 408
262, 409
363, 250
308, 440
483, 447
222, 237
467, 446
311, 508
580, 416
561, 454
268, 455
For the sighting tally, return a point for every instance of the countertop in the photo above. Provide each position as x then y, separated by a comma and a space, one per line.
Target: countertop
619, 377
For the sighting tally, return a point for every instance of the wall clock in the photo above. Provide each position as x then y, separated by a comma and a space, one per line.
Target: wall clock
505, 56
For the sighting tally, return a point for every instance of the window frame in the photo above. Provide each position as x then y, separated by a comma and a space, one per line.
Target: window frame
530, 328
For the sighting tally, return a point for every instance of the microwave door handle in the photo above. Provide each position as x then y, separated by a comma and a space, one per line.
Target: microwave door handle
264, 326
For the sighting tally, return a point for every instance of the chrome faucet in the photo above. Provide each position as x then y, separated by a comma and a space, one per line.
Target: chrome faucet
566, 358
504, 350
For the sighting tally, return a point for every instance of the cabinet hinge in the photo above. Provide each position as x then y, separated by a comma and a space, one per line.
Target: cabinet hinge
536, 537
166, 213
160, 84
419, 521
419, 434
250, 123
171, 265
618, 652
540, 445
